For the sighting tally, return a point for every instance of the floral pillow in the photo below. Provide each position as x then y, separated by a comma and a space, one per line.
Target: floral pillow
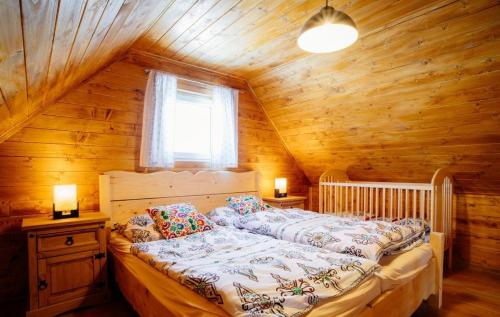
246, 204
139, 228
179, 220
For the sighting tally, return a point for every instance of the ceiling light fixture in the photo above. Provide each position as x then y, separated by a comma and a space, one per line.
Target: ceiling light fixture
329, 30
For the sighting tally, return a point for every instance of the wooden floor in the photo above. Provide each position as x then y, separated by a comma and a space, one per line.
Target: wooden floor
466, 293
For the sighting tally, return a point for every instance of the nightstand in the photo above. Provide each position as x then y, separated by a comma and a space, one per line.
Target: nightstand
67, 263
286, 202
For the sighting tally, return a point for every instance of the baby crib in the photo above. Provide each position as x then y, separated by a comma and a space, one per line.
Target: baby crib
430, 202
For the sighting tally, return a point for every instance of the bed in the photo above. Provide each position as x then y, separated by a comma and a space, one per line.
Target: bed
123, 194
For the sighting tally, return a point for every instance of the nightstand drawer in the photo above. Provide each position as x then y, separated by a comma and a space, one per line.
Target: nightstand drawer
87, 238
286, 205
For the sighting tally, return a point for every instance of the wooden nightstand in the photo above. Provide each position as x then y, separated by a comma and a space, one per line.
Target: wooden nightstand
286, 202
67, 263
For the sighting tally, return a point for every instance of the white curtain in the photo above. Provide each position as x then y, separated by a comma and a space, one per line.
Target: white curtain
157, 144
224, 126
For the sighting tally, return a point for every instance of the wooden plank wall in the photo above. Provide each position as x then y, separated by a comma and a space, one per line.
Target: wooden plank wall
416, 92
478, 226
95, 128
404, 100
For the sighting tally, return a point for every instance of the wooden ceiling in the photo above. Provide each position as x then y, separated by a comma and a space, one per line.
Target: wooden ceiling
418, 91
46, 47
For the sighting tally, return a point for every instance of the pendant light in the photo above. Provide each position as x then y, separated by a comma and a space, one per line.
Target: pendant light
329, 30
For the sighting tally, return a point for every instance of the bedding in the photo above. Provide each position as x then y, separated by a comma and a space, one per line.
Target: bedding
366, 239
248, 274
140, 228
225, 216
166, 297
394, 270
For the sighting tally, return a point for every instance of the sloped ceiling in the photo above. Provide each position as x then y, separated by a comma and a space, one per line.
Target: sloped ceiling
48, 46
418, 91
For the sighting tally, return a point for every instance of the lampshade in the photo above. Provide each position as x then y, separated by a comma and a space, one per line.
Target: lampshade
280, 186
327, 31
65, 197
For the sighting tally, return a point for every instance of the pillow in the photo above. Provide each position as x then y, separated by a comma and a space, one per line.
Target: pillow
140, 228
225, 216
246, 204
179, 220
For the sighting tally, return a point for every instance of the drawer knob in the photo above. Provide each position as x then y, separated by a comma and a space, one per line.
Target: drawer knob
42, 284
69, 240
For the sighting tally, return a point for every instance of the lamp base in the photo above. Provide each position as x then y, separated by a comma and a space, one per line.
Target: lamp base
277, 194
63, 214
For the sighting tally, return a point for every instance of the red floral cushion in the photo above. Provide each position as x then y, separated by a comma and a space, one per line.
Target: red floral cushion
179, 220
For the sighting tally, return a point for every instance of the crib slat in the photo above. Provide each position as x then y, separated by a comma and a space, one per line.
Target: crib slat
346, 199
414, 205
365, 199
422, 210
429, 203
357, 199
334, 202
352, 200
383, 203
340, 198
407, 209
390, 203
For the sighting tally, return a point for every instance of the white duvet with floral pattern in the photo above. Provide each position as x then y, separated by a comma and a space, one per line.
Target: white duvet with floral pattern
367, 239
250, 274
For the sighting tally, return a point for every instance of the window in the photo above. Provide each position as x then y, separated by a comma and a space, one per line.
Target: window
192, 127
185, 120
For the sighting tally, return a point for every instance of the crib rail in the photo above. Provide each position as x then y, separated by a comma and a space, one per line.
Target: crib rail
430, 202
375, 200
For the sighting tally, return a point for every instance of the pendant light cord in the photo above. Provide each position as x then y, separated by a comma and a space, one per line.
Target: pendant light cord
326, 3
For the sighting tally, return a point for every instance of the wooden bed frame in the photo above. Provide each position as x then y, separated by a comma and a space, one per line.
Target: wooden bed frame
123, 194
431, 202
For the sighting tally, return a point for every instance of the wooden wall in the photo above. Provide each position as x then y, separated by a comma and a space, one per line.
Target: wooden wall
478, 226
400, 103
418, 90
95, 128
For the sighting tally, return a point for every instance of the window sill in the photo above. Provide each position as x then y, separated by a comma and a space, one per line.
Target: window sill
191, 167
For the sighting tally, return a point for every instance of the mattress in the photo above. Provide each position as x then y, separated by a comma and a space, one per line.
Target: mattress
173, 294
401, 268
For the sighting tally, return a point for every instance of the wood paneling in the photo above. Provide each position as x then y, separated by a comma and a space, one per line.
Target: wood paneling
82, 135
478, 230
96, 127
48, 47
400, 103
418, 91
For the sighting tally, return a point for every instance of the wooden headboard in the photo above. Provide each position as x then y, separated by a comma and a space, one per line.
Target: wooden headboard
123, 194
